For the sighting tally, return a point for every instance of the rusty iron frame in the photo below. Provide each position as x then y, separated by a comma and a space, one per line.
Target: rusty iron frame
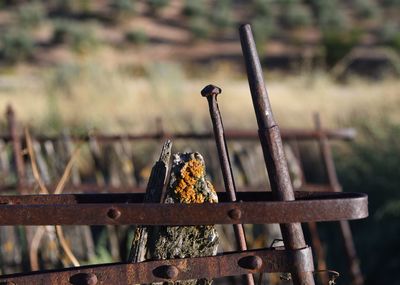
119, 209
227, 264
283, 206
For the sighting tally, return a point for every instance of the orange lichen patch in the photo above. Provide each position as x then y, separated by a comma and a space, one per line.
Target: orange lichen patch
191, 172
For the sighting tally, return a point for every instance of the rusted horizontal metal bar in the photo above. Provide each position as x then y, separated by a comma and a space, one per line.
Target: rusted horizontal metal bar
287, 134
228, 264
123, 209
94, 188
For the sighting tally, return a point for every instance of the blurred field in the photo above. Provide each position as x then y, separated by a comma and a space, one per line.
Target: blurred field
91, 96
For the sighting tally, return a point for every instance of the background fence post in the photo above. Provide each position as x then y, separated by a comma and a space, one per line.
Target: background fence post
351, 254
16, 148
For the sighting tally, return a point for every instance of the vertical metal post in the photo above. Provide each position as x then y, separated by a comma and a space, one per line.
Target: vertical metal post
211, 92
351, 254
16, 147
20, 170
312, 226
271, 142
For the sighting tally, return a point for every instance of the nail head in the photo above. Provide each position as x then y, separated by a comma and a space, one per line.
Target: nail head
210, 90
113, 214
235, 214
251, 262
171, 272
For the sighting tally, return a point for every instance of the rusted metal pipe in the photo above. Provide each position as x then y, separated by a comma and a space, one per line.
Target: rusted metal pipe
329, 164
272, 147
211, 92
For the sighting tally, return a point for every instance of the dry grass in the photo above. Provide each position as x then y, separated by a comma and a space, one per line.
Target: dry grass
93, 96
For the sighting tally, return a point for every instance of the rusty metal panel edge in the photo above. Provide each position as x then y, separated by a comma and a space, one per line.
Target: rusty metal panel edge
227, 264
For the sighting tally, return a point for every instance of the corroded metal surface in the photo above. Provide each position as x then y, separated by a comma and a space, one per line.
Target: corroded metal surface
271, 142
101, 209
228, 264
211, 92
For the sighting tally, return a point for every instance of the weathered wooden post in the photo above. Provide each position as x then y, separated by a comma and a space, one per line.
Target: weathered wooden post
17, 149
155, 186
271, 142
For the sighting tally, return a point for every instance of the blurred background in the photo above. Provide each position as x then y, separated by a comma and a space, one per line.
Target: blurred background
123, 66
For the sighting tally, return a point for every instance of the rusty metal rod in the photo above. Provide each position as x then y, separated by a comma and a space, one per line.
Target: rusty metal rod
330, 169
287, 134
96, 189
129, 209
271, 142
211, 92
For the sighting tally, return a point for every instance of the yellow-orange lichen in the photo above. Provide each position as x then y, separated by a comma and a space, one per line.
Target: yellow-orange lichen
190, 173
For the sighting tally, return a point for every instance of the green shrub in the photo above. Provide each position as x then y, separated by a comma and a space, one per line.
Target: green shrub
199, 28
80, 37
390, 35
221, 15
138, 37
391, 3
296, 15
329, 15
194, 8
123, 8
31, 14
263, 28
157, 5
16, 45
338, 43
366, 9
263, 7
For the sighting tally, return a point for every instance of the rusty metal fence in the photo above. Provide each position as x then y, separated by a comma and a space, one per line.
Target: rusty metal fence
282, 205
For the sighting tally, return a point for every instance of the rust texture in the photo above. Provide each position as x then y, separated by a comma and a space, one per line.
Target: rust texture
211, 92
271, 142
119, 209
227, 264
